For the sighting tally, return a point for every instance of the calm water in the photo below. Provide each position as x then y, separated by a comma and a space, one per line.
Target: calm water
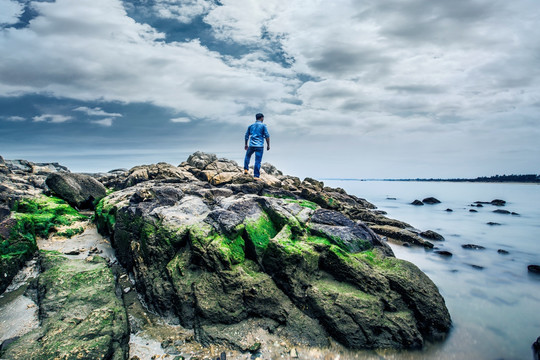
495, 304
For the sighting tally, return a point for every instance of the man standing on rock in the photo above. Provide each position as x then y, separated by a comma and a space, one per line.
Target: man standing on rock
256, 133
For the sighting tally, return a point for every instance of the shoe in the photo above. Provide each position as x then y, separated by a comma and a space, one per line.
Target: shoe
246, 172
258, 179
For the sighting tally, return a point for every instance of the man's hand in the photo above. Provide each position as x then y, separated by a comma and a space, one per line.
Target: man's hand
268, 147
245, 147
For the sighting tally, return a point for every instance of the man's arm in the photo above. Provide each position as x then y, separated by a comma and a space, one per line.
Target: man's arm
246, 138
267, 143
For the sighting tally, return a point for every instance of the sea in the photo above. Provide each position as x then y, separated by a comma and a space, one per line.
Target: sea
493, 299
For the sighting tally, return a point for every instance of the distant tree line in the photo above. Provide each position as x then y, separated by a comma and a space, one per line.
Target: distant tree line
529, 178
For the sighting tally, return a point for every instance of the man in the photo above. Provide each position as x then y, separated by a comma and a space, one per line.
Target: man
256, 133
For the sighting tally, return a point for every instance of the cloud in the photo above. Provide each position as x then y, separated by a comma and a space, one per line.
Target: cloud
96, 111
51, 118
181, 120
10, 11
13, 118
182, 11
107, 122
300, 62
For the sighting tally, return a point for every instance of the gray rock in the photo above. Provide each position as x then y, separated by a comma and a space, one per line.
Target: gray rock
417, 203
81, 191
473, 247
432, 235
431, 201
201, 160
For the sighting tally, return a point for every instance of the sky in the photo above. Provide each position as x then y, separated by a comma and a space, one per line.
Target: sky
349, 88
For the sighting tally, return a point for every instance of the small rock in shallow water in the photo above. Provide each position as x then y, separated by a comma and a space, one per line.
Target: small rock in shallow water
477, 267
432, 235
503, 252
472, 247
500, 211
498, 202
449, 210
417, 203
472, 210
491, 223
534, 269
536, 349
444, 253
431, 201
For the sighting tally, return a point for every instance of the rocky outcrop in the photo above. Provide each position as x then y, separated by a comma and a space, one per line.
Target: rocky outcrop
81, 317
286, 256
80, 190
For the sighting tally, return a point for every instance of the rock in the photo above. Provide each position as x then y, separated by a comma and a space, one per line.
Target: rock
391, 198
80, 314
473, 210
4, 212
498, 202
399, 234
79, 190
201, 160
491, 223
449, 210
473, 247
417, 203
431, 201
500, 211
432, 235
294, 353
444, 253
534, 269
270, 169
477, 267
228, 262
503, 252
536, 349
515, 213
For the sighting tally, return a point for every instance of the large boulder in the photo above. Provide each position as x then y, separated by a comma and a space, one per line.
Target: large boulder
234, 257
80, 190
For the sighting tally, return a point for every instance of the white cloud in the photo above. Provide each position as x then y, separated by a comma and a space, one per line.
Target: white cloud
181, 120
107, 122
96, 111
13, 118
419, 62
10, 11
182, 10
52, 118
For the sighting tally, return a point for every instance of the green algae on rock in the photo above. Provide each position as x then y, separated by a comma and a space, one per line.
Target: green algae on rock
32, 218
296, 262
81, 316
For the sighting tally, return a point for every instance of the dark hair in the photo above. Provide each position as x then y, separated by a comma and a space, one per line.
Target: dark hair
259, 116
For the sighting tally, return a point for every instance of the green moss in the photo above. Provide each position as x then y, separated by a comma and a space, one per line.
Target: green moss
36, 217
332, 287
305, 203
105, 216
69, 233
260, 231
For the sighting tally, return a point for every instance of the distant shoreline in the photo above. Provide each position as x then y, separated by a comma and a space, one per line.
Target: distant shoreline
536, 182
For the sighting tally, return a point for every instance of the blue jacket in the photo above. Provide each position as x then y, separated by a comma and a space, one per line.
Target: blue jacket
258, 132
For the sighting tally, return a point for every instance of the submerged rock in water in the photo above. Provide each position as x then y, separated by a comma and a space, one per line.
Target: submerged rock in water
431, 201
534, 269
227, 260
473, 247
432, 235
417, 203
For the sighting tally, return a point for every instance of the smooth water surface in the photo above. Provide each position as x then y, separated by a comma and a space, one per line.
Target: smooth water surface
493, 300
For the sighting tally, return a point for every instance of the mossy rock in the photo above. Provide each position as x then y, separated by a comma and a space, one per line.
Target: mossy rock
81, 316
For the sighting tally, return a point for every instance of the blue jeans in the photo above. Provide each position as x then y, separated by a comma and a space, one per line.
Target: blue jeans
258, 158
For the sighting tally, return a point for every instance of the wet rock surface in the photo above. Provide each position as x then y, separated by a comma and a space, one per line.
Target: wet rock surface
232, 263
